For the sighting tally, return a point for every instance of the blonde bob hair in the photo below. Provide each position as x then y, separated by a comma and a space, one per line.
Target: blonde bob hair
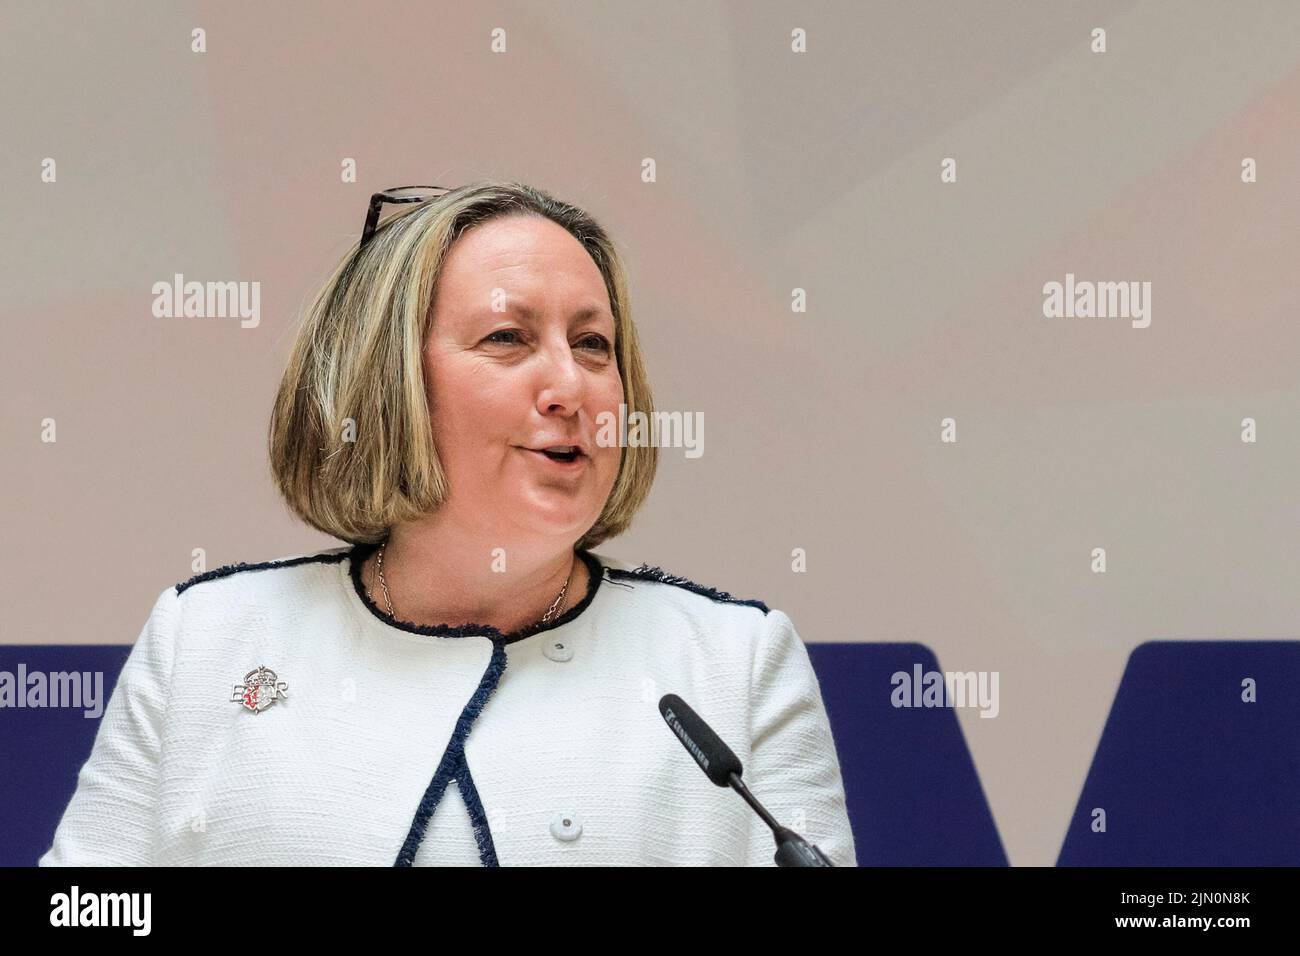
350, 438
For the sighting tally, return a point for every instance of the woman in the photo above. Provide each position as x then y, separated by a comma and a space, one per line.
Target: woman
467, 682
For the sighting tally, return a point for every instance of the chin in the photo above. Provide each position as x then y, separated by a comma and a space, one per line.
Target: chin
556, 521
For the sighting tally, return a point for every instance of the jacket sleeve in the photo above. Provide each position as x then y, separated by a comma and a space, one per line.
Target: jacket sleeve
793, 769
111, 819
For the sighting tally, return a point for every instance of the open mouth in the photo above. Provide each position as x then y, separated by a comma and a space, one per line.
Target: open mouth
566, 453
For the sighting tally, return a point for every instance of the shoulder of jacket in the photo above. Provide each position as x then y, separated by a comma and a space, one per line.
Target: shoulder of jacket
330, 556
624, 573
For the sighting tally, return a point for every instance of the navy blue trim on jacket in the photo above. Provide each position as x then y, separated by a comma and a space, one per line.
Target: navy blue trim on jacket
595, 572
487, 851
649, 573
452, 766
229, 569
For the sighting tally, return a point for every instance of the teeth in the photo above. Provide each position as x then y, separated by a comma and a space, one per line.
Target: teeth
562, 448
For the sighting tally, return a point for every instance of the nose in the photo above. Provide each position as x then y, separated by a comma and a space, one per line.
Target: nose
561, 386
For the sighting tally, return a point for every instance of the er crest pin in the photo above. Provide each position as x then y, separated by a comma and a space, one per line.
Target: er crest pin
261, 688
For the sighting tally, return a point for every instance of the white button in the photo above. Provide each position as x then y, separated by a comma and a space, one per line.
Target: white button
557, 649
566, 827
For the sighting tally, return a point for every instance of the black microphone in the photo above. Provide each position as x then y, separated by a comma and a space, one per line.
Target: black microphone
723, 767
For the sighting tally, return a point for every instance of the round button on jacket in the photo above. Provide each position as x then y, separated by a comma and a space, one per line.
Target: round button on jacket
557, 649
566, 827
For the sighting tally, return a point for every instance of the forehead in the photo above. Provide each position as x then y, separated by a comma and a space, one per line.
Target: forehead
534, 259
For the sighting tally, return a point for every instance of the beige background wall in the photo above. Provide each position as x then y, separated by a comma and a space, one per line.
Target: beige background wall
775, 170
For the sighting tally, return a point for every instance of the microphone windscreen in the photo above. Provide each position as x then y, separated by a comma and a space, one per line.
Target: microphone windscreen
714, 757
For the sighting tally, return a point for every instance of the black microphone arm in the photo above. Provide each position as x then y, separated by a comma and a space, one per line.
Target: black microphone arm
723, 767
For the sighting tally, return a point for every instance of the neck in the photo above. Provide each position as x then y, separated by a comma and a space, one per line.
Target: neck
435, 577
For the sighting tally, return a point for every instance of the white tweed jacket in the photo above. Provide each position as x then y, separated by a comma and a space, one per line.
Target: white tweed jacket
392, 743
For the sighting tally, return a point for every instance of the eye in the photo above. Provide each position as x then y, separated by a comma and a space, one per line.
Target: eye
493, 336
598, 342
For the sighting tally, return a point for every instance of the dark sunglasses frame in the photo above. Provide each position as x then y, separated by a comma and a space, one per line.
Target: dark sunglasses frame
392, 195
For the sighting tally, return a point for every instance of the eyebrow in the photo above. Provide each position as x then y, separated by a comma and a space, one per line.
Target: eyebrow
531, 314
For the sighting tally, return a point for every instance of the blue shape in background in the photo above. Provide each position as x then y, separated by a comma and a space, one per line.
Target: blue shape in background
914, 796
43, 748
1188, 773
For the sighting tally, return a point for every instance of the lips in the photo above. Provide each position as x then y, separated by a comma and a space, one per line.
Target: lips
559, 450
560, 454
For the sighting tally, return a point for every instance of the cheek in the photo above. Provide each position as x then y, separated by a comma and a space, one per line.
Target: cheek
608, 395
457, 424
469, 429
468, 409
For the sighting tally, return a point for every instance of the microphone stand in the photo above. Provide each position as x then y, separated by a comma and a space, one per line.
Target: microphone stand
791, 848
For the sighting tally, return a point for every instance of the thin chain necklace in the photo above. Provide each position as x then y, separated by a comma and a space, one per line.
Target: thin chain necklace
551, 612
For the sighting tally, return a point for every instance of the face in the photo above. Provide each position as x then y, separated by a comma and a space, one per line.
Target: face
535, 374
